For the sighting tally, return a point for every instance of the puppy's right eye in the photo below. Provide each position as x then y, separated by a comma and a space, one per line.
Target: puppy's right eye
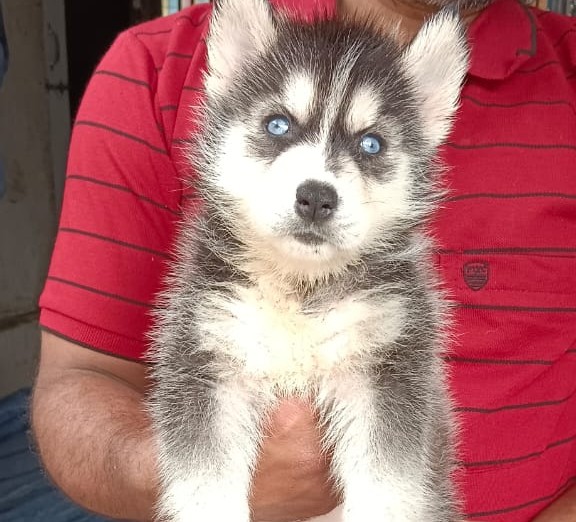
278, 125
371, 144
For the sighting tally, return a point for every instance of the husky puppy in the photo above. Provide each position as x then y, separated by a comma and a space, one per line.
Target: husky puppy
305, 272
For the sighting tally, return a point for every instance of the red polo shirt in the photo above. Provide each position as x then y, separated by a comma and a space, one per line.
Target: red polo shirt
506, 235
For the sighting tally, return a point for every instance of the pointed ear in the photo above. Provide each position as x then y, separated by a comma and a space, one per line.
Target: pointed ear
437, 61
239, 29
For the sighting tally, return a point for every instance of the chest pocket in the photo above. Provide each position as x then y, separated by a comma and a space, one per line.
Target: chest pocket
513, 357
532, 294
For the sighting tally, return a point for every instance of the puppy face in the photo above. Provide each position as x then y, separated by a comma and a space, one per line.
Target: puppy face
318, 171
317, 139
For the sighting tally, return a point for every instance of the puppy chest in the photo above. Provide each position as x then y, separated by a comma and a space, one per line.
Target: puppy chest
272, 337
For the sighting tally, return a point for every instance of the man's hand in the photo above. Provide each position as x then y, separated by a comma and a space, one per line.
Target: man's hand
292, 480
95, 441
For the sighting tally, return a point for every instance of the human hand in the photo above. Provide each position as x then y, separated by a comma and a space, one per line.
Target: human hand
292, 480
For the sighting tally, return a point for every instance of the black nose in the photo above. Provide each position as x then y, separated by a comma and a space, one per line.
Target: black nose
315, 201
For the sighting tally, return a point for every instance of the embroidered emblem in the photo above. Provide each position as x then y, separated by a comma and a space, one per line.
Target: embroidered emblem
476, 274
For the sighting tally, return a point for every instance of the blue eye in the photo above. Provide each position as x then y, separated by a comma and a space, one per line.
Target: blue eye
370, 144
278, 125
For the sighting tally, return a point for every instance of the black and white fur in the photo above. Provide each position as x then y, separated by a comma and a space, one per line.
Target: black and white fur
324, 291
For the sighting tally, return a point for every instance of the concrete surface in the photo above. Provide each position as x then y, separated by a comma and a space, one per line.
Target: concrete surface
28, 215
18, 351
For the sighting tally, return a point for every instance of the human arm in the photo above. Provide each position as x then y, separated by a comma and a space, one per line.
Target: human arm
95, 441
91, 429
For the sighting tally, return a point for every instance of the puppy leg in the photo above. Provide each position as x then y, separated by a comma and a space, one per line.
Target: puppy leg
208, 451
380, 454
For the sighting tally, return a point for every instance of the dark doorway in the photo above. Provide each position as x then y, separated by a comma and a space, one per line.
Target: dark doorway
91, 27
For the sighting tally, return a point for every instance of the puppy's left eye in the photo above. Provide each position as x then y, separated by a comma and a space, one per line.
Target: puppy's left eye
278, 125
370, 144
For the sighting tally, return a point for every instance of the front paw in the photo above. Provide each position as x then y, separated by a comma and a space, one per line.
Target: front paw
188, 501
384, 505
376, 513
195, 513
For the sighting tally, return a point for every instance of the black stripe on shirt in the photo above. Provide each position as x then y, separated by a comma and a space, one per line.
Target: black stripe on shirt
511, 250
539, 67
500, 462
513, 195
506, 362
541, 146
174, 54
193, 22
99, 292
518, 507
114, 241
107, 128
503, 308
122, 77
564, 35
533, 33
152, 33
509, 407
546, 103
123, 189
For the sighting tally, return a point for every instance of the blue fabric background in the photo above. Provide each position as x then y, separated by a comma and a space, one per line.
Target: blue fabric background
26, 495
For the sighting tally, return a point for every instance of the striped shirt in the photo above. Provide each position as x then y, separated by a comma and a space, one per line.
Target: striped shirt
506, 234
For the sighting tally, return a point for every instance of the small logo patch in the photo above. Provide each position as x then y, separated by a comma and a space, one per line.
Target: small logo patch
476, 274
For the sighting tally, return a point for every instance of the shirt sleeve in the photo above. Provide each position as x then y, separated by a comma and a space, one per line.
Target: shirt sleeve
121, 203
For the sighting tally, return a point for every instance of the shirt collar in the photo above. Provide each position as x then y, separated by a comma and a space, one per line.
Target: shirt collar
307, 9
503, 37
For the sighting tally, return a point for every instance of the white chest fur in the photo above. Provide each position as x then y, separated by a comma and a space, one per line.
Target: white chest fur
273, 339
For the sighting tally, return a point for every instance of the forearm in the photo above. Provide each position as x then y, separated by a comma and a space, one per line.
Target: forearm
106, 463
